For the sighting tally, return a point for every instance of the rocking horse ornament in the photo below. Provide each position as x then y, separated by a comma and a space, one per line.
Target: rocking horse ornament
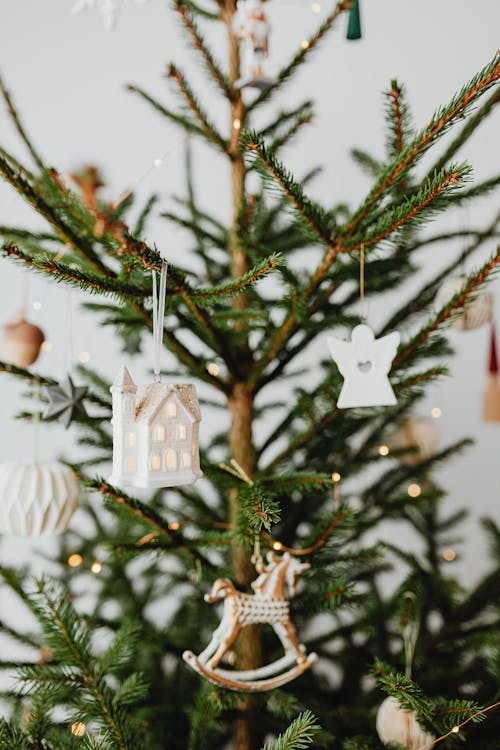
268, 604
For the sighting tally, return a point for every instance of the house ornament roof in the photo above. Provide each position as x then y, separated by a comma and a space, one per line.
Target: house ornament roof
123, 382
151, 397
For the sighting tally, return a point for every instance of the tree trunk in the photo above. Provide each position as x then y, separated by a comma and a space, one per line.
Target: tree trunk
248, 647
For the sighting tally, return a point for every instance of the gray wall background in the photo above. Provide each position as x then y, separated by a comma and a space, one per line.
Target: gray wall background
67, 75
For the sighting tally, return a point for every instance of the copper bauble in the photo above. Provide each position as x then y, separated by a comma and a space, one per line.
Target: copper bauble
22, 342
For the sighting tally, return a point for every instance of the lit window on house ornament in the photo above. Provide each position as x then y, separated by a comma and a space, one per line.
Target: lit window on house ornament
172, 409
155, 462
130, 466
160, 433
171, 460
131, 439
181, 432
186, 459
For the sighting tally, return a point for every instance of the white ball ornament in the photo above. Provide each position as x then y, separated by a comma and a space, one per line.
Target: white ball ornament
394, 724
477, 310
36, 498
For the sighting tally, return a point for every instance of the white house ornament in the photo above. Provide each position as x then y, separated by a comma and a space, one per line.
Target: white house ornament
394, 724
268, 604
22, 342
364, 363
477, 310
36, 498
155, 433
65, 402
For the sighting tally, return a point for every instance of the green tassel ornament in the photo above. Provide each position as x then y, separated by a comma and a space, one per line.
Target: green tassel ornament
354, 25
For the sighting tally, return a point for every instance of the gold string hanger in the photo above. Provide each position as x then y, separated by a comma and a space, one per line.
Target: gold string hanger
362, 282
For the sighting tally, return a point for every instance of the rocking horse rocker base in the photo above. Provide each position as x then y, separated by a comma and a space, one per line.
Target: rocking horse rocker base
254, 680
268, 605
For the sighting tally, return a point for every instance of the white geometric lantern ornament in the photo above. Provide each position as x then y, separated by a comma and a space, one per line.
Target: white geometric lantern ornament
155, 429
365, 363
394, 724
477, 310
269, 604
36, 498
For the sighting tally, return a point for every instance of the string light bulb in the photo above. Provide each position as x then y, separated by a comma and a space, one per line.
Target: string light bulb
78, 729
96, 567
316, 8
174, 526
414, 490
449, 554
75, 560
84, 357
277, 546
47, 346
336, 490
383, 450
213, 368
455, 729
37, 305
158, 162
436, 412
236, 123
305, 44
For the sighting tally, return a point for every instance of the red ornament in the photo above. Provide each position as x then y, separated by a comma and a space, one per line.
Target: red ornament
491, 396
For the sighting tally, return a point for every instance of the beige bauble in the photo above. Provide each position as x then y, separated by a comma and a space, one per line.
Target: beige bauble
394, 724
419, 433
476, 311
22, 342
36, 498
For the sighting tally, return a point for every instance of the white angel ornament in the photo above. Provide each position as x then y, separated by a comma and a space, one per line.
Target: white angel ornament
364, 362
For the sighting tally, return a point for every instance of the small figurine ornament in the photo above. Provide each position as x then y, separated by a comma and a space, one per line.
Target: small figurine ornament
253, 28
155, 429
36, 498
22, 342
477, 311
401, 727
365, 363
268, 604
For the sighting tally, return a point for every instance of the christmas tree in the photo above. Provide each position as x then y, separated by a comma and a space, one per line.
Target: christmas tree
295, 486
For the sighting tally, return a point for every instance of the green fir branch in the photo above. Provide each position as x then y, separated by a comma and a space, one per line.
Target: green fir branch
14, 115
313, 216
433, 196
80, 244
440, 123
188, 125
212, 66
299, 735
302, 55
61, 272
230, 289
207, 127
456, 304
